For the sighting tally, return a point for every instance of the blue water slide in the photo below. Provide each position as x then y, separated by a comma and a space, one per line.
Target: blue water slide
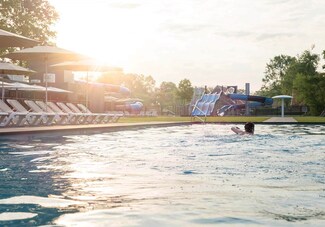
226, 108
204, 106
260, 99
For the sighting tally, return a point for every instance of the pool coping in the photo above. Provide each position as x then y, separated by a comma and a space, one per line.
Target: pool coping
81, 129
84, 128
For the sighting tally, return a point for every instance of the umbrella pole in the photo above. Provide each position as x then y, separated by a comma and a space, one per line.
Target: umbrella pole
3, 91
46, 82
87, 90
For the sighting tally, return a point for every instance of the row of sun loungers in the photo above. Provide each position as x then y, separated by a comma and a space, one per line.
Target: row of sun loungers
13, 113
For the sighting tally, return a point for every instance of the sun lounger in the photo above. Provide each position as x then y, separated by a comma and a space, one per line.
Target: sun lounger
63, 118
4, 118
72, 119
106, 117
36, 118
51, 117
10, 117
82, 118
96, 117
91, 118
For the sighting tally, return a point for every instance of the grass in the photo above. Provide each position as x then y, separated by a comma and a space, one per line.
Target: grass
227, 119
189, 119
310, 119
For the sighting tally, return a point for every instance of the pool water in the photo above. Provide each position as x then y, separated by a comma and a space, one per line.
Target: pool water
194, 175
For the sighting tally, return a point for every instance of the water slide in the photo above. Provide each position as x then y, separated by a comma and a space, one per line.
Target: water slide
255, 101
205, 105
132, 107
260, 99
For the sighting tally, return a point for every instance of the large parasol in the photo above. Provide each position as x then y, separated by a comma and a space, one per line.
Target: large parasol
84, 65
11, 69
44, 54
8, 39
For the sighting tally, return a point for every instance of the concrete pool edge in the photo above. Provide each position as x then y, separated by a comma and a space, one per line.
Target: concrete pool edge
120, 126
84, 128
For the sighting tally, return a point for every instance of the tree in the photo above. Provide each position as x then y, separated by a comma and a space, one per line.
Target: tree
185, 91
141, 87
306, 64
274, 75
30, 18
297, 77
310, 90
166, 94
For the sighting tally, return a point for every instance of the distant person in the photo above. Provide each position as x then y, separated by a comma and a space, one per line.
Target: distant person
249, 129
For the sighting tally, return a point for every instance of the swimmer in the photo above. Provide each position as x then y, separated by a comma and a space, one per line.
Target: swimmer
249, 129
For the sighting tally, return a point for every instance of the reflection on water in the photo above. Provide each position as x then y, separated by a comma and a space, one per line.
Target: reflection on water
175, 176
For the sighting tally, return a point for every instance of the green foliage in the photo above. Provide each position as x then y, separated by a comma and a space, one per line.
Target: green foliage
275, 74
310, 90
166, 94
30, 18
296, 76
185, 91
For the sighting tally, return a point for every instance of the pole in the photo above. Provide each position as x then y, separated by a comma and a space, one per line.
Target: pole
247, 92
282, 108
46, 83
87, 89
3, 91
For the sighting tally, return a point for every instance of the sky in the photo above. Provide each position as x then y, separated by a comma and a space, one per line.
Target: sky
209, 42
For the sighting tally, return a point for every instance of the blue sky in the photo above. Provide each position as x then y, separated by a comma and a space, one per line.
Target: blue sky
210, 42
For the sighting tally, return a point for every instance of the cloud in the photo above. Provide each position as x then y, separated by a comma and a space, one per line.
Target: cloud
185, 28
267, 36
236, 34
125, 5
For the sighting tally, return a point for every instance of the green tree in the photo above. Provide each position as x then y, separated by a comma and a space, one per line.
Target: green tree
306, 64
185, 91
30, 18
141, 86
297, 77
167, 94
310, 91
274, 75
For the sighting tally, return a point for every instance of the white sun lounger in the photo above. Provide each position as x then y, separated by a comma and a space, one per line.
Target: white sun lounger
82, 118
72, 119
3, 119
106, 117
51, 117
63, 118
93, 117
37, 118
12, 118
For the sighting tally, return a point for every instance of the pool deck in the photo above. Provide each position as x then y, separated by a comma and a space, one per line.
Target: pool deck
280, 120
83, 128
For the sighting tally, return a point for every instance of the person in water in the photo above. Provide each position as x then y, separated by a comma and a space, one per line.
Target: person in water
249, 129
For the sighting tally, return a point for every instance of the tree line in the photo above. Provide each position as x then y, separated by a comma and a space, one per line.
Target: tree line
298, 76
168, 94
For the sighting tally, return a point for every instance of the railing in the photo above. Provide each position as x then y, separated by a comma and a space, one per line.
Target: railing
198, 117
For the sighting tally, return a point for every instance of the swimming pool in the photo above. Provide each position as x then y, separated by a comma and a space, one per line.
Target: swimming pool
190, 175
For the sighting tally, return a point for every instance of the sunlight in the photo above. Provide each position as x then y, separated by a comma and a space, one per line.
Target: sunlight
100, 32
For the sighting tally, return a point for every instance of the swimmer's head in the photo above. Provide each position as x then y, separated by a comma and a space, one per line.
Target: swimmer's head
249, 127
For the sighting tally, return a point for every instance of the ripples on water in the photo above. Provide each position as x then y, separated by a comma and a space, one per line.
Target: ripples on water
174, 176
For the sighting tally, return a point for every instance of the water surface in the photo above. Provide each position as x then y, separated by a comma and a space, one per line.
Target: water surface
198, 175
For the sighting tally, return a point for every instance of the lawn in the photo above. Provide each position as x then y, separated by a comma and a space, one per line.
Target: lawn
238, 119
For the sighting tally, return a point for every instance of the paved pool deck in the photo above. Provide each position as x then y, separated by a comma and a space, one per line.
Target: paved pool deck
84, 128
280, 120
